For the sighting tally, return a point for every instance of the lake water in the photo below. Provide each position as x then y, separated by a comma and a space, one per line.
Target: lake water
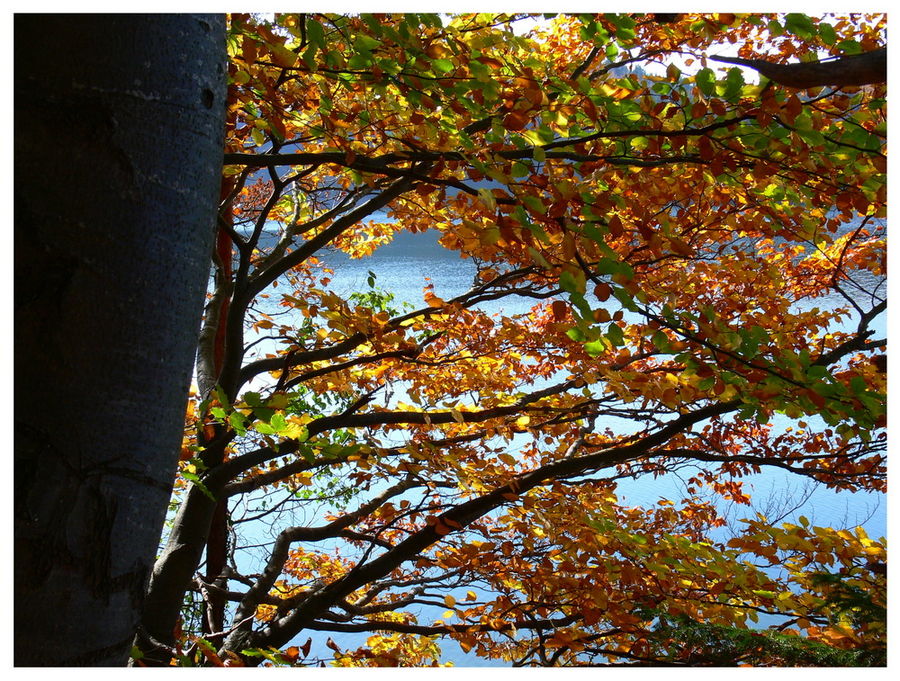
411, 261
406, 265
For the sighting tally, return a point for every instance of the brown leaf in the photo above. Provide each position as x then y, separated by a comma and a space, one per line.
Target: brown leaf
515, 120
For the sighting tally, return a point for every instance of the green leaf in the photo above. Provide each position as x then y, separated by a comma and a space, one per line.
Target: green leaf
373, 23
614, 266
579, 301
538, 258
359, 61
858, 385
309, 55
221, 396
264, 429
282, 55
487, 198
594, 348
263, 413
826, 32
442, 66
625, 299
814, 138
818, 373
706, 81
277, 422
624, 26
800, 25
519, 170
238, 422
706, 383
315, 33
570, 283
661, 341
615, 336
734, 84
365, 43
307, 453
775, 29
576, 335
850, 47
534, 204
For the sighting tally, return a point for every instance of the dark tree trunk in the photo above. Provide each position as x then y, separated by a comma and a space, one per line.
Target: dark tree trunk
118, 152
216, 562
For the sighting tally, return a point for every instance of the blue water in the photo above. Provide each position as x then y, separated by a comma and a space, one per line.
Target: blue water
406, 265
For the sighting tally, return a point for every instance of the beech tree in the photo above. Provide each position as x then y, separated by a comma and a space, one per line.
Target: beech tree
118, 150
673, 227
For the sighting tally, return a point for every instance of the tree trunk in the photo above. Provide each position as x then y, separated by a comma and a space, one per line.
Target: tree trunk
118, 151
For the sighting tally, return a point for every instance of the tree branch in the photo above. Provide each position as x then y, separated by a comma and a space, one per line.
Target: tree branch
279, 632
857, 69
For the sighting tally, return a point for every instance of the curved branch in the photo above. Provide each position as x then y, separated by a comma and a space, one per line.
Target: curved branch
437, 630
290, 535
231, 372
279, 632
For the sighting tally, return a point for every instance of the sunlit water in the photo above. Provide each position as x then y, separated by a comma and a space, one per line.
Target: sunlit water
405, 266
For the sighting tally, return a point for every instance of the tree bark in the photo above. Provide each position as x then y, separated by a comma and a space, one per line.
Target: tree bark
118, 152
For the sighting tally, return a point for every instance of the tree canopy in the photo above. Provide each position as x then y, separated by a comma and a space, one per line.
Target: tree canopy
443, 474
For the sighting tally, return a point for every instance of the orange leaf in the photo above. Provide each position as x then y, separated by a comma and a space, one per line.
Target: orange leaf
515, 120
615, 226
793, 108
433, 300
490, 61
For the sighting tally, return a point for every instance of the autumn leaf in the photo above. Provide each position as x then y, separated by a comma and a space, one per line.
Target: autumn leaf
515, 120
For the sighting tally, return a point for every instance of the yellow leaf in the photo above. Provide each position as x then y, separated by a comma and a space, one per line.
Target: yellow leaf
277, 401
487, 198
283, 56
450, 601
